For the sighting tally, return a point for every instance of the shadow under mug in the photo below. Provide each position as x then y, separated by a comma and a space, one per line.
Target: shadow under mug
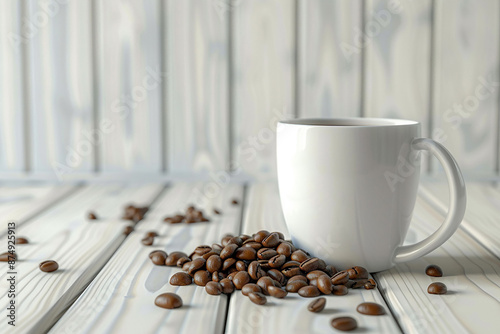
348, 187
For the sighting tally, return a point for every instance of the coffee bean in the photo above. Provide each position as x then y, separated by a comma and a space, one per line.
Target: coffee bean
240, 279
276, 292
325, 284
250, 287
21, 241
227, 286
284, 249
196, 264
168, 300
434, 271
257, 298
253, 244
330, 270
228, 251
128, 229
339, 290
151, 234
228, 263
266, 253
264, 283
241, 265
281, 236
245, 253
235, 201
236, 240
292, 271
48, 266
214, 263
201, 277
357, 273
359, 283
203, 249
225, 240
180, 279
148, 241
297, 278
437, 288
6, 257
276, 275
260, 236
217, 211
272, 240
299, 256
370, 309
349, 284
317, 305
183, 260
295, 286
309, 291
370, 284
277, 261
213, 288
264, 264
315, 274
344, 324
312, 264
218, 276
212, 252
92, 216
340, 278
217, 247
255, 271
185, 266
158, 257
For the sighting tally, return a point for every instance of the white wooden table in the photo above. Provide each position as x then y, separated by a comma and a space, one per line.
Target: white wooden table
107, 284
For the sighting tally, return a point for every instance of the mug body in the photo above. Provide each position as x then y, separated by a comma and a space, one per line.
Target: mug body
348, 187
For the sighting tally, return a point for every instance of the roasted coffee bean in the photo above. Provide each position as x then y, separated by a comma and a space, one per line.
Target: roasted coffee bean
6, 257
228, 263
253, 244
157, 251
285, 249
186, 265
228, 251
168, 300
272, 240
180, 279
196, 264
309, 291
370, 309
325, 284
344, 324
250, 287
240, 279
370, 284
183, 260
49, 266
232, 273
266, 253
357, 273
315, 274
277, 275
277, 261
277, 292
292, 271
299, 256
330, 270
437, 288
235, 202
128, 229
349, 284
241, 266
260, 236
312, 264
218, 276
158, 258
281, 236
245, 237
203, 249
217, 247
255, 271
217, 211
291, 264
264, 283
207, 255
295, 286
213, 288
92, 216
264, 264
236, 240
214, 263
148, 241
201, 277
227, 286
340, 278
21, 241
360, 283
257, 298
225, 240
317, 305
313, 282
151, 234
434, 271
245, 253
339, 290
297, 278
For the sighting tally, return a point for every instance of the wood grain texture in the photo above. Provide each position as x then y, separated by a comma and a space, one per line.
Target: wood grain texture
121, 298
471, 273
263, 74
61, 96
81, 247
397, 60
329, 75
290, 315
466, 81
130, 85
197, 40
12, 43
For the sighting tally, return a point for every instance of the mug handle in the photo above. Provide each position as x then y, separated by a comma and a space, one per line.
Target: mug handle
456, 211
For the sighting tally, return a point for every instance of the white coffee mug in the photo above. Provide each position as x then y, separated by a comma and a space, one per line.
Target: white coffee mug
348, 187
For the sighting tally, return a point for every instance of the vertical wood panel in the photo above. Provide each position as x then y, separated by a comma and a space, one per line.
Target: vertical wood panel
263, 68
130, 85
466, 81
60, 50
12, 156
329, 78
197, 97
398, 59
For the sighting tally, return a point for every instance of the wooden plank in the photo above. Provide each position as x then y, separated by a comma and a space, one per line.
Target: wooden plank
329, 75
290, 315
130, 80
121, 298
263, 74
398, 60
61, 93
81, 247
12, 44
197, 96
466, 81
471, 273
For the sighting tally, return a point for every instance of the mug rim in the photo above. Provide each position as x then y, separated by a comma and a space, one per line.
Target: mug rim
337, 122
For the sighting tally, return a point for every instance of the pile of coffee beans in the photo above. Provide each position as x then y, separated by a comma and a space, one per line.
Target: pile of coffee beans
192, 215
135, 213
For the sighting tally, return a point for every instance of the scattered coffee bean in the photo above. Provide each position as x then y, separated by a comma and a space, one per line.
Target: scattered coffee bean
217, 212
6, 257
21, 241
235, 202
148, 241
370, 284
344, 324
309, 291
213, 288
257, 298
227, 286
168, 300
158, 257
277, 292
180, 279
264, 283
128, 229
192, 215
151, 234
370, 309
135, 213
317, 305
339, 290
437, 288
360, 283
250, 287
201, 277
173, 257
91, 216
48, 266
434, 271
357, 273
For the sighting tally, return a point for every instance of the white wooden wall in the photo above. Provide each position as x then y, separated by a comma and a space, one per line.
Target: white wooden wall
196, 86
